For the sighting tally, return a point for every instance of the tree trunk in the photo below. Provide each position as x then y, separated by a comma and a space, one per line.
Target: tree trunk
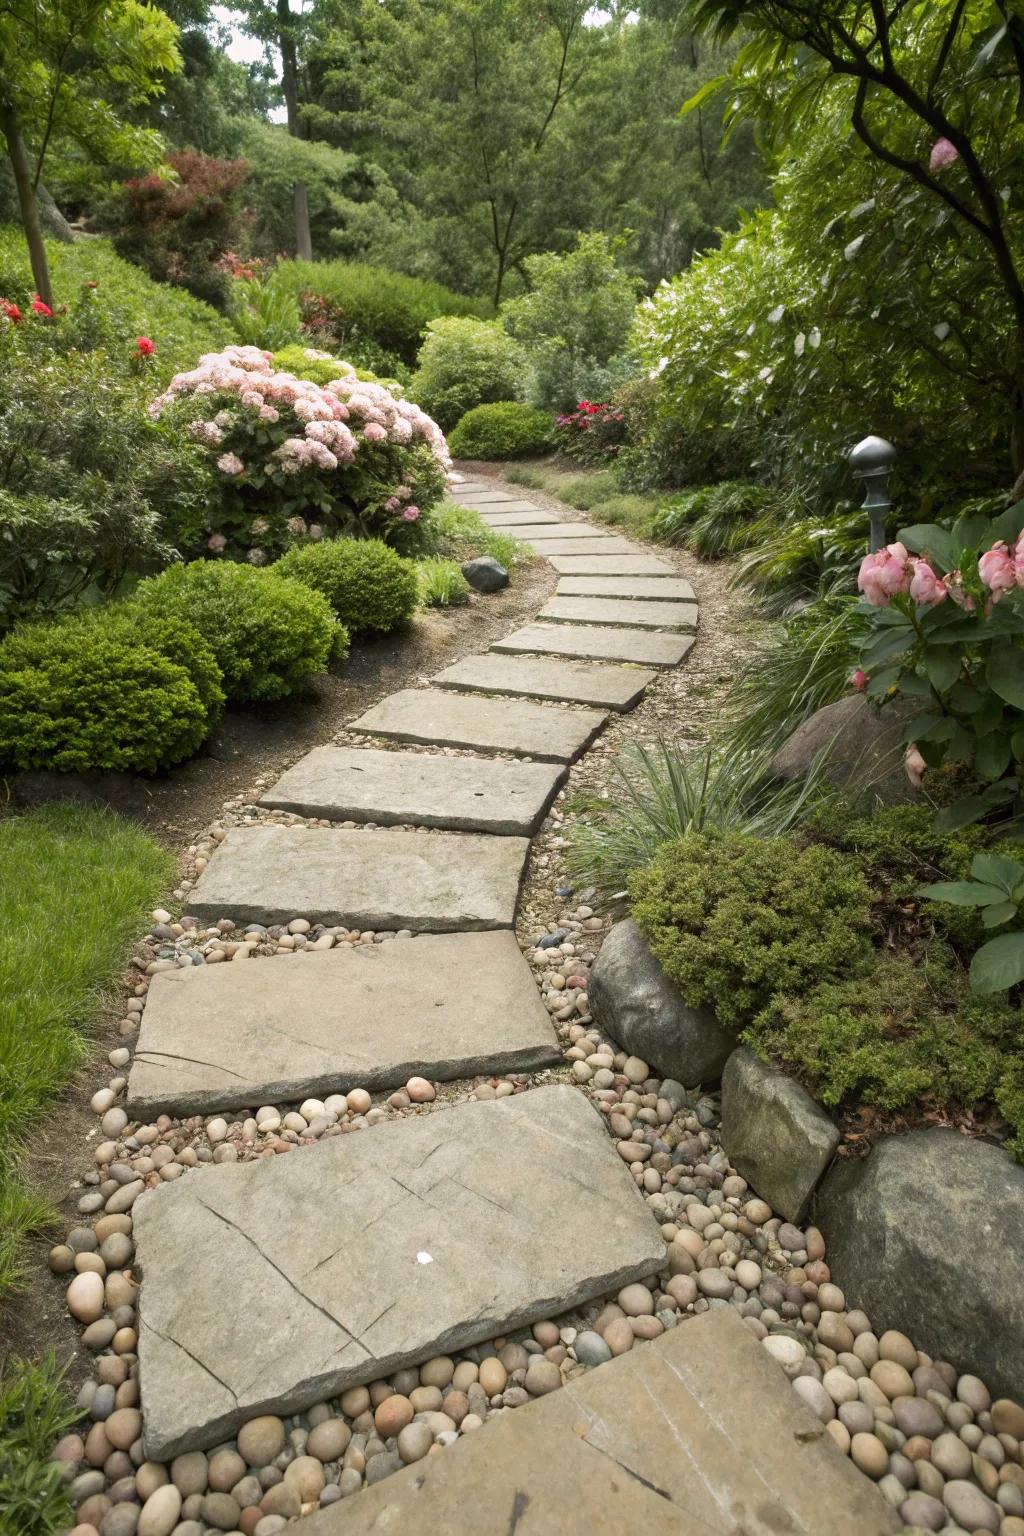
290, 87
26, 201
51, 217
303, 237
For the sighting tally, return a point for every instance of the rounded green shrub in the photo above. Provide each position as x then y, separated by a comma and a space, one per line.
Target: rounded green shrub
464, 363
735, 919
268, 633
113, 689
369, 586
506, 430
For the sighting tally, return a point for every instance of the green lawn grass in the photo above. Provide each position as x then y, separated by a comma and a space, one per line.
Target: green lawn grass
75, 885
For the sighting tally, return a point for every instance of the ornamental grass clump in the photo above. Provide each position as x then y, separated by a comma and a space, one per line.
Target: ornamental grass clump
297, 460
734, 919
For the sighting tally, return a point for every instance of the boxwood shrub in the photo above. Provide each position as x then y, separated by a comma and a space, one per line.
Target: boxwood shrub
505, 430
268, 633
464, 363
115, 688
369, 586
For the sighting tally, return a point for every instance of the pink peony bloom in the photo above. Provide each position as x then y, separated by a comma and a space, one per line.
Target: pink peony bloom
859, 680
1018, 560
230, 464
883, 574
925, 587
914, 765
411, 514
997, 571
943, 153
217, 542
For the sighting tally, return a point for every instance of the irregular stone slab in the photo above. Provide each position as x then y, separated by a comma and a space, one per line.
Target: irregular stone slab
951, 1210
589, 563
543, 531
457, 720
613, 610
696, 1434
651, 650
442, 1006
354, 1258
632, 998
464, 794
776, 1136
535, 677
659, 588
597, 544
432, 882
486, 496
515, 515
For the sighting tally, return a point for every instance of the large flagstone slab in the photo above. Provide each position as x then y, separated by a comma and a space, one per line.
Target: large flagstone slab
515, 515
541, 677
457, 720
441, 1006
270, 1285
598, 641
652, 588
693, 1435
558, 530
431, 882
464, 794
597, 544
620, 611
484, 497
597, 563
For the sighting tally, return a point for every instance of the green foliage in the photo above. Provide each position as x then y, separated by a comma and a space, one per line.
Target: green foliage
459, 533
94, 876
368, 585
276, 161
35, 1410
306, 363
464, 363
574, 323
370, 305
583, 491
264, 316
502, 431
111, 688
634, 513
441, 583
268, 633
658, 795
734, 919
792, 558
996, 888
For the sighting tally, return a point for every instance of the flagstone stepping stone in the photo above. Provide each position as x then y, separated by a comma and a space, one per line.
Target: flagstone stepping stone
484, 496
693, 1435
442, 1006
597, 544
271, 1285
456, 720
537, 677
431, 882
659, 588
465, 794
598, 641
516, 516
614, 610
597, 564
543, 531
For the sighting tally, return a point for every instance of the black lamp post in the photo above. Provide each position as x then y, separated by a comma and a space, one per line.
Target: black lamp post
871, 461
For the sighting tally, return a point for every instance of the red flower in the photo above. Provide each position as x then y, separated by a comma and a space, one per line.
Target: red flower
12, 311
145, 346
40, 308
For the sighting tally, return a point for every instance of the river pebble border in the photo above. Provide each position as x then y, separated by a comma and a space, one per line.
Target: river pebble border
942, 1452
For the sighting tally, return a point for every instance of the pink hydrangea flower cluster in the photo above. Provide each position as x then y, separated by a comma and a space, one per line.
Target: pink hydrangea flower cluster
893, 570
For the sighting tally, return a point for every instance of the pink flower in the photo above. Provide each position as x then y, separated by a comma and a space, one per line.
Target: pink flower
315, 531
374, 432
997, 571
296, 526
925, 587
230, 464
859, 680
1018, 560
144, 346
257, 557
943, 153
955, 588
40, 308
914, 765
269, 413
883, 574
411, 514
217, 542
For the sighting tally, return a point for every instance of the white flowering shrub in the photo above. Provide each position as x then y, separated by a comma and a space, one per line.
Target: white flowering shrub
299, 460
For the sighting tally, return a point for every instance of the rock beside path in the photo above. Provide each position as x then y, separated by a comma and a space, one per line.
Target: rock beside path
776, 1136
862, 744
485, 574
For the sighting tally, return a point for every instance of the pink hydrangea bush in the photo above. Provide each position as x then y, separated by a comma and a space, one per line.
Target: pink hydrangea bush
298, 460
946, 632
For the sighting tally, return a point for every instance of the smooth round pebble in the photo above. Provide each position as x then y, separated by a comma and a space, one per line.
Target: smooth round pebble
260, 1440
414, 1441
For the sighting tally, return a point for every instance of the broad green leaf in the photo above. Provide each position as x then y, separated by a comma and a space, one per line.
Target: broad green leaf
942, 667
919, 726
889, 643
972, 531
999, 912
998, 965
962, 813
963, 893
1017, 743
698, 98
994, 869
1009, 525
1005, 673
992, 755
940, 730
930, 538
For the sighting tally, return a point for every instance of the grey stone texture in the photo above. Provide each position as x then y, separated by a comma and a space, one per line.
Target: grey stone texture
485, 574
432, 882
474, 495
506, 725
597, 563
927, 1234
618, 611
632, 998
514, 514
542, 531
441, 1006
862, 744
775, 1134
538, 677
664, 589
464, 794
696, 1434
597, 544
356, 1257
598, 642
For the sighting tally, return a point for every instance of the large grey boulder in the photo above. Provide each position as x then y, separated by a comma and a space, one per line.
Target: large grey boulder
863, 745
775, 1134
485, 574
632, 998
927, 1235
